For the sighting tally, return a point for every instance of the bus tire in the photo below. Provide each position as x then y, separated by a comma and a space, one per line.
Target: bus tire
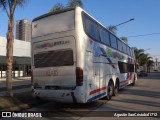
134, 81
116, 89
110, 91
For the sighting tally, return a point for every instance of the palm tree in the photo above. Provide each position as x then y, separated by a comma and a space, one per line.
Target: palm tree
138, 54
113, 29
125, 39
150, 63
71, 4
10, 6
146, 60
57, 7
74, 3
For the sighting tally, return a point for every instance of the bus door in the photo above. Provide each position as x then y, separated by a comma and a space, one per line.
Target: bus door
93, 75
104, 71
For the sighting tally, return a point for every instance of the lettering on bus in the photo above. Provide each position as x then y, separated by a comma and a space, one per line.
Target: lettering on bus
114, 54
97, 50
50, 44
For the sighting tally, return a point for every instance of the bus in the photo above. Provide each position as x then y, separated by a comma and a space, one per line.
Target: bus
75, 59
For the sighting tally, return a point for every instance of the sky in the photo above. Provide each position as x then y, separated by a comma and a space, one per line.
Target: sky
108, 12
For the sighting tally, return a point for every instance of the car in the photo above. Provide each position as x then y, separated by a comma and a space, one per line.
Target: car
143, 73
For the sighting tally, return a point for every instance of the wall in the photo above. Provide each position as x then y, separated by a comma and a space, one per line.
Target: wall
21, 48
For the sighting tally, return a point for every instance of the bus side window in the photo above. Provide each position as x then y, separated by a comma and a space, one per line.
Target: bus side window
120, 47
123, 67
113, 40
128, 50
124, 48
91, 27
104, 34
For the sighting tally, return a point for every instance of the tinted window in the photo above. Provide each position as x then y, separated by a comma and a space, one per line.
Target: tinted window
91, 27
128, 51
104, 34
132, 52
120, 46
113, 40
123, 67
54, 58
124, 48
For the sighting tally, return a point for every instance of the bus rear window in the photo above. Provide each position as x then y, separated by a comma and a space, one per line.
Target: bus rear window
54, 58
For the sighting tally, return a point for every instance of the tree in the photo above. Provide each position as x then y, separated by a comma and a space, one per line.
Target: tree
125, 39
150, 63
138, 54
113, 29
9, 7
57, 7
74, 3
71, 4
145, 59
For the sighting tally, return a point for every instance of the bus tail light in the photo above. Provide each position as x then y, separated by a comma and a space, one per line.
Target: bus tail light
79, 76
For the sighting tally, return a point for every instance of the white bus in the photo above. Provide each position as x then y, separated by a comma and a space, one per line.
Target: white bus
76, 59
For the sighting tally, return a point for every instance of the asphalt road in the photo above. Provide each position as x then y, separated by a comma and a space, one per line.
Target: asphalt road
144, 97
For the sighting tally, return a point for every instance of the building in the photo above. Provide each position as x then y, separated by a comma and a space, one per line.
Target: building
21, 58
23, 30
156, 65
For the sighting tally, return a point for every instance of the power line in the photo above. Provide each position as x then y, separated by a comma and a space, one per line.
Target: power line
155, 55
144, 35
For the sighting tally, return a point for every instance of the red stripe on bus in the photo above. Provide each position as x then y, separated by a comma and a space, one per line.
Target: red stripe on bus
97, 90
127, 79
124, 81
130, 77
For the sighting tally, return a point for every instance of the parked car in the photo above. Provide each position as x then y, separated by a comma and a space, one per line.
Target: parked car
143, 73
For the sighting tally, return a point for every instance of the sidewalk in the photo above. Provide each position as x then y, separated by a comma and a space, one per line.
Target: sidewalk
16, 81
18, 78
16, 91
21, 81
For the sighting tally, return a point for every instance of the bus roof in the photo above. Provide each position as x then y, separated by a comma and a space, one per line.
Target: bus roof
69, 9
52, 13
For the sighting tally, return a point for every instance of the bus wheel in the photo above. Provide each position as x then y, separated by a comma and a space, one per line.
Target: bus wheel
116, 89
109, 91
134, 81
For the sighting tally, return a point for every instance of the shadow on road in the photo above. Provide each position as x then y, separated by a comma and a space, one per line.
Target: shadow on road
145, 93
151, 76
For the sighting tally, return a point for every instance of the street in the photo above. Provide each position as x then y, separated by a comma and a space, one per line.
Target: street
143, 97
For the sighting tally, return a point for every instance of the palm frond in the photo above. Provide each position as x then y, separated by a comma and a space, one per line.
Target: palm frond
3, 3
20, 3
57, 7
112, 28
75, 3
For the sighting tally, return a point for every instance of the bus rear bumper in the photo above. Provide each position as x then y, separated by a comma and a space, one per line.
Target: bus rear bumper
65, 96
